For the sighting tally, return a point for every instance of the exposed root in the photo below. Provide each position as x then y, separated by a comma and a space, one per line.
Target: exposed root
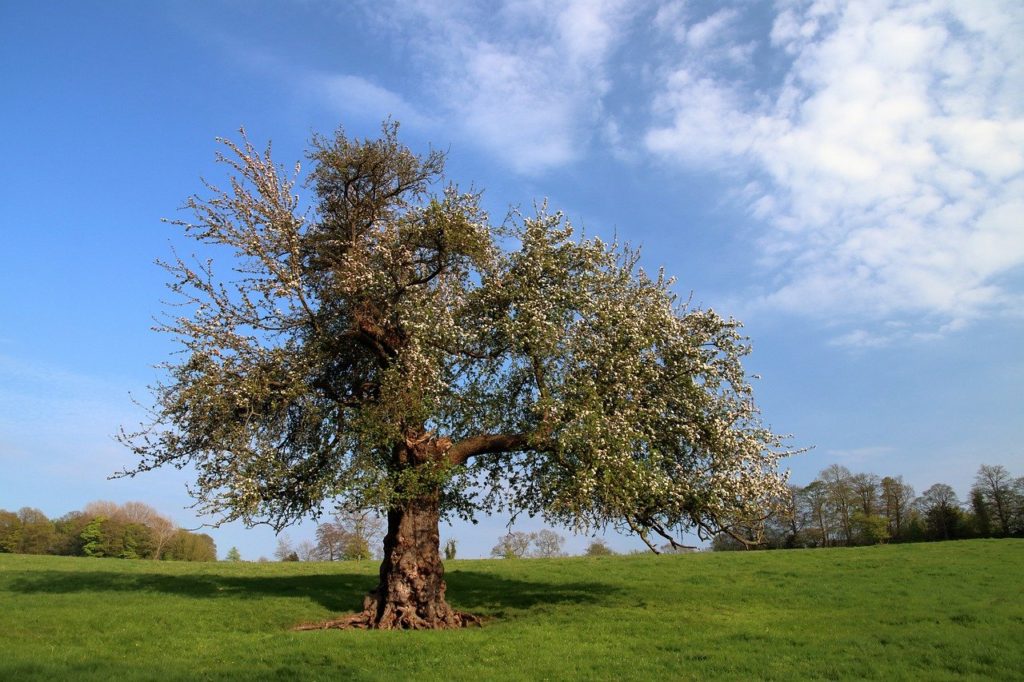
369, 620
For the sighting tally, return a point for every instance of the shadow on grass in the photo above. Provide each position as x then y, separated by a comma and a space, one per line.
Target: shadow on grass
338, 592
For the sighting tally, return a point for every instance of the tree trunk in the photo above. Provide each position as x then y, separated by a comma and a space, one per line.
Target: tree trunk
410, 595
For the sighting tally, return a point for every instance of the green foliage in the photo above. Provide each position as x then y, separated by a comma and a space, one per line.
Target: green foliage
393, 343
105, 529
936, 611
93, 538
870, 529
136, 541
450, 549
234, 554
186, 546
599, 547
10, 531
37, 533
843, 508
982, 518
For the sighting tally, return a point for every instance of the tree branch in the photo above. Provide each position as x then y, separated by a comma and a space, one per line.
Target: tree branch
486, 444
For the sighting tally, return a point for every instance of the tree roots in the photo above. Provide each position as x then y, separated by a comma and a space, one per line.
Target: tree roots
393, 617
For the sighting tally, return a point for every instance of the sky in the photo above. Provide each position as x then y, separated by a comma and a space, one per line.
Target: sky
845, 178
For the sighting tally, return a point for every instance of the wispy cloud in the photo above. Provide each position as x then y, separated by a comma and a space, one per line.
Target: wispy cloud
888, 162
523, 80
357, 97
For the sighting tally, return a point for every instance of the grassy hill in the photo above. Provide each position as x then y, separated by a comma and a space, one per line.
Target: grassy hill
932, 611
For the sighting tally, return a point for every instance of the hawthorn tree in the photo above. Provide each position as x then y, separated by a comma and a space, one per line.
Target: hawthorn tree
386, 347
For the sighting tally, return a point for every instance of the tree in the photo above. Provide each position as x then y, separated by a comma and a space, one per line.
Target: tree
450, 549
161, 528
982, 519
186, 546
306, 550
68, 530
598, 547
897, 497
865, 489
37, 533
786, 526
233, 555
815, 496
941, 509
547, 543
996, 487
285, 551
92, 538
350, 536
514, 545
869, 529
330, 541
10, 531
390, 347
1018, 511
839, 487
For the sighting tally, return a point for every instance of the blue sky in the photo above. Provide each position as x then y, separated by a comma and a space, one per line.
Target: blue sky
847, 179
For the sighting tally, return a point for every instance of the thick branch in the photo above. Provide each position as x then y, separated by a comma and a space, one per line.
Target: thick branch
486, 444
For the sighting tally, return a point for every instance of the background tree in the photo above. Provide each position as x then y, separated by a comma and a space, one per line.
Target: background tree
513, 545
93, 540
233, 555
306, 550
869, 529
816, 498
841, 498
547, 543
450, 549
981, 517
598, 547
1018, 516
940, 507
68, 529
897, 497
285, 551
161, 528
996, 487
331, 539
186, 546
10, 531
350, 536
866, 490
37, 533
389, 346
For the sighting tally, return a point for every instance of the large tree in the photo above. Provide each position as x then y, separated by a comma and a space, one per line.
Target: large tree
382, 345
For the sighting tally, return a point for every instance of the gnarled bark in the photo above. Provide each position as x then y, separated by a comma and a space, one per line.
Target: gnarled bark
410, 595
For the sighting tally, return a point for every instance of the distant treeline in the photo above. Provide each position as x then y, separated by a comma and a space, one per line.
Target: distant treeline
841, 508
133, 530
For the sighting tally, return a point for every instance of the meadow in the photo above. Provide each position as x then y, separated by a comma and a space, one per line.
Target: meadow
939, 611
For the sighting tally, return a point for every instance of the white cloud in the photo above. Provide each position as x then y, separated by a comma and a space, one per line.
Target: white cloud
522, 79
710, 30
888, 163
359, 98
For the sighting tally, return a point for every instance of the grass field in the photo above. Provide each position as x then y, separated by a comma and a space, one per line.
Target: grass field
931, 612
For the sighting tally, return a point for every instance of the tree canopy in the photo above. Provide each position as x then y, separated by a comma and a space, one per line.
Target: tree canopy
384, 345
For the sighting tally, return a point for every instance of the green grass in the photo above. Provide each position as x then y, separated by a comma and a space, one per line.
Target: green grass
951, 610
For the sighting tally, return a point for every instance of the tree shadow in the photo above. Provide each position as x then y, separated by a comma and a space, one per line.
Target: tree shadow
336, 591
